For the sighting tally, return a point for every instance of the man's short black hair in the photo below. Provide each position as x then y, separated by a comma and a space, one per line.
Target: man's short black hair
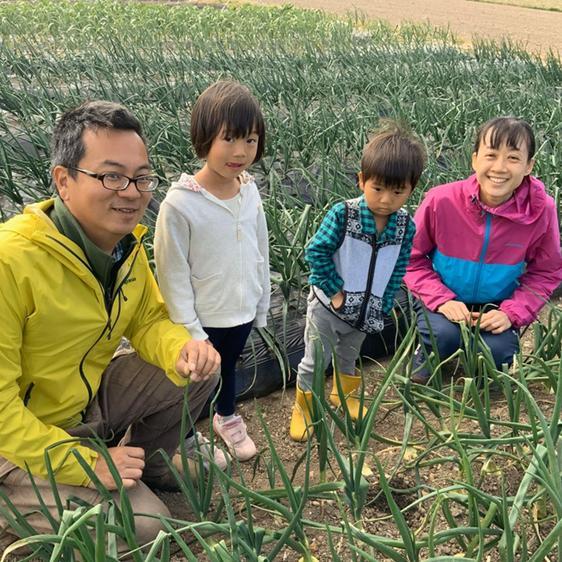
67, 147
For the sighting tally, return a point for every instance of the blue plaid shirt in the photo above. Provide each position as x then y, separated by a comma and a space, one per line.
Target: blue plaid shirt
323, 245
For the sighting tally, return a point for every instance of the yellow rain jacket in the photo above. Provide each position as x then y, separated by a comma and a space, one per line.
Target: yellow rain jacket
57, 337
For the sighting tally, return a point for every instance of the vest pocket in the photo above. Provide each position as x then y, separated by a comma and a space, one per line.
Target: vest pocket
350, 309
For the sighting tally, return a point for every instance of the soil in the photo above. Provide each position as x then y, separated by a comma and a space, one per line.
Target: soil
377, 518
536, 30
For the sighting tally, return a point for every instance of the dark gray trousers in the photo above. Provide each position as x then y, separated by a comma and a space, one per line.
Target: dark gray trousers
136, 405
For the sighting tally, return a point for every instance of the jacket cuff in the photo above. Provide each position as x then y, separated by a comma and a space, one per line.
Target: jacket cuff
196, 331
330, 288
261, 320
434, 302
516, 321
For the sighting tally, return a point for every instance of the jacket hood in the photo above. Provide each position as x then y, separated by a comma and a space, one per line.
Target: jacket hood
189, 183
525, 206
35, 225
185, 182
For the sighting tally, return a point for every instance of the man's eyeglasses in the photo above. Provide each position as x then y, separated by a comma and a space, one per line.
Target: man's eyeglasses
118, 182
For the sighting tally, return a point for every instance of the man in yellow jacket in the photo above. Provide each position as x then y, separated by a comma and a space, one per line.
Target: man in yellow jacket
75, 279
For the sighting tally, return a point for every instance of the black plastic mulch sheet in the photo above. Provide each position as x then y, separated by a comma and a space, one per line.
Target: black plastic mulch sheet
270, 359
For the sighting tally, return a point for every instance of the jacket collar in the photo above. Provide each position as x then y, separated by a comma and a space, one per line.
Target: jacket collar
103, 265
525, 206
36, 225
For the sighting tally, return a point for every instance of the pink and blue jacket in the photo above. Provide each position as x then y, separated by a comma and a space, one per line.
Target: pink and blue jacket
466, 251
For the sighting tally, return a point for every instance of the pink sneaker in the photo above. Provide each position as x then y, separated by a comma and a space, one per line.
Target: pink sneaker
234, 434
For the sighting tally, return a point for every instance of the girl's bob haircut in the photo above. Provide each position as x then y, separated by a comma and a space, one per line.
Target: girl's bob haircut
511, 131
230, 105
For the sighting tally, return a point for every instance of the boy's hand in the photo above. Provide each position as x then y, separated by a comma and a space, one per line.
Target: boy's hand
198, 360
495, 321
337, 300
455, 311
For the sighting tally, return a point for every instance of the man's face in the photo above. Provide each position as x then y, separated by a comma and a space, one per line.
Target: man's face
106, 216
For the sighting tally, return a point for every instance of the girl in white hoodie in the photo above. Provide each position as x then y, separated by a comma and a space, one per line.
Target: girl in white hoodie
211, 242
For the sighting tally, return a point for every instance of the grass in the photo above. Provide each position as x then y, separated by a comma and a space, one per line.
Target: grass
323, 83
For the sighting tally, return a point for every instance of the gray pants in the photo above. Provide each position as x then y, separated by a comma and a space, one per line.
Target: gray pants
336, 337
136, 405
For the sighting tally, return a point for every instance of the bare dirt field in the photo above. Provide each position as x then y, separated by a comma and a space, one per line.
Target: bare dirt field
537, 30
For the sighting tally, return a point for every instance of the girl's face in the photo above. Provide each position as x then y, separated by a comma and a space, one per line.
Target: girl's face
228, 157
500, 171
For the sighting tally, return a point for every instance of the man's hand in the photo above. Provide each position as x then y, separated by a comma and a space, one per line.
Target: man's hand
129, 462
337, 300
455, 311
495, 321
198, 360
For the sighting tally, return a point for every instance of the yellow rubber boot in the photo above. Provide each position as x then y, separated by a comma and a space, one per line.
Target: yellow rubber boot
350, 385
301, 417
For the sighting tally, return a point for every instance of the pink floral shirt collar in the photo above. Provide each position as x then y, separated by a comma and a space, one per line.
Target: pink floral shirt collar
189, 182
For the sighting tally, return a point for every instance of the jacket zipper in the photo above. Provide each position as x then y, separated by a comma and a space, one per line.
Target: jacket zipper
27, 396
482, 255
370, 276
108, 327
108, 311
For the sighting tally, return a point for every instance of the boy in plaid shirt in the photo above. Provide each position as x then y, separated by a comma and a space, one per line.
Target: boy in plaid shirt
357, 260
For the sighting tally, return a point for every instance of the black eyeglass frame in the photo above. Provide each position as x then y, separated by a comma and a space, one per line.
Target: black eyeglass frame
101, 178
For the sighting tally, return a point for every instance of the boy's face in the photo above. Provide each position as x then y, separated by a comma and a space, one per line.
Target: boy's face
500, 171
383, 200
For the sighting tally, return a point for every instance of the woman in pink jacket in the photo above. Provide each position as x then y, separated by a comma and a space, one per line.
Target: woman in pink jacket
486, 250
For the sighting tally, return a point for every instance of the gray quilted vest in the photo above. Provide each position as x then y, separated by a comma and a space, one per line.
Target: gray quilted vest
365, 268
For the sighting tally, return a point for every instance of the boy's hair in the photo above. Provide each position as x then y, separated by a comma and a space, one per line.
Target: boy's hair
229, 104
394, 156
509, 130
67, 146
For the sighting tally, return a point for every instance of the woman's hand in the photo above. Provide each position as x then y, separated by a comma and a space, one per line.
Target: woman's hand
495, 321
455, 311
